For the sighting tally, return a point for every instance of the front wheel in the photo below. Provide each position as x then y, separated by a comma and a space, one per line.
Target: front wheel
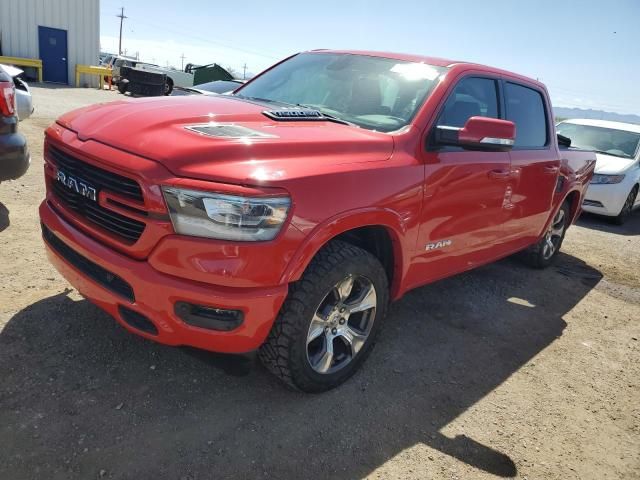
328, 324
543, 253
627, 208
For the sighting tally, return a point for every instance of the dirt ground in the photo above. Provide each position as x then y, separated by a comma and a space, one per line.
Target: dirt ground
501, 372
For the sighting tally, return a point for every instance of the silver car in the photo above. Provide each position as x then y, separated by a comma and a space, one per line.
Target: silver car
24, 100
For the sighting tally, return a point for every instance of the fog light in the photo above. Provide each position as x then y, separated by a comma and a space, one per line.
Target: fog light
210, 318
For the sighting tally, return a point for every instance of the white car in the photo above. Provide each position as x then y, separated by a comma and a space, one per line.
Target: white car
614, 188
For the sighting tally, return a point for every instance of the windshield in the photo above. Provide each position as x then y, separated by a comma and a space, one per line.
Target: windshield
619, 143
371, 92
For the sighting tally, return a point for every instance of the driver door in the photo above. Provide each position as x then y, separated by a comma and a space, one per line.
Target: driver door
466, 191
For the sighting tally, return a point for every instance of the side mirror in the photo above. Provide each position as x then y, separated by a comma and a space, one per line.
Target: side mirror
479, 133
564, 141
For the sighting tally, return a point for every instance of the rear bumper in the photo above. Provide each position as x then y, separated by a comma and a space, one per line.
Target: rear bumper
155, 294
14, 156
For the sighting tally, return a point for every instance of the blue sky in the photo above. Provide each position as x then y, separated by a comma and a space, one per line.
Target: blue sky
587, 52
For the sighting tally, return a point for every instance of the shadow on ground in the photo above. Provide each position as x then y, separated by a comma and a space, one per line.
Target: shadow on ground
80, 395
603, 224
4, 217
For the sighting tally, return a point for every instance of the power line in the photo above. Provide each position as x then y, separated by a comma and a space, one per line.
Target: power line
208, 40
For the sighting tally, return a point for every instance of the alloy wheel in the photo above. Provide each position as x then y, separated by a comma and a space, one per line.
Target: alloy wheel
341, 324
553, 237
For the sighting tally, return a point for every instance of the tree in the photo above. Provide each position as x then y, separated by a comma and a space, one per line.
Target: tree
232, 71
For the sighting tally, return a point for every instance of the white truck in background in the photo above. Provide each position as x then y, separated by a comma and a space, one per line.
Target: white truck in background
192, 75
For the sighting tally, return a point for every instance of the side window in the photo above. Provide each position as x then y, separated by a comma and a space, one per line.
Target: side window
525, 108
472, 97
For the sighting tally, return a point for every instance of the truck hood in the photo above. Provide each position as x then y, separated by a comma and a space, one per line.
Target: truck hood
156, 128
612, 165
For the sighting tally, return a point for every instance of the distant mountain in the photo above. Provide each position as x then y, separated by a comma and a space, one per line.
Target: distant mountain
563, 112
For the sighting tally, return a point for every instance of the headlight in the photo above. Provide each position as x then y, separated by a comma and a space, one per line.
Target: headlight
606, 179
225, 217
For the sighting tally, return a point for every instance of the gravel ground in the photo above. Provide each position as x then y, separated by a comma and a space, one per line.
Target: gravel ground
500, 372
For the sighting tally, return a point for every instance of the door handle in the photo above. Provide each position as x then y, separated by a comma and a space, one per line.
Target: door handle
499, 174
551, 170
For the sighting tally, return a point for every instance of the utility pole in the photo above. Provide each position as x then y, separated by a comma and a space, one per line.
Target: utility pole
182, 57
244, 71
121, 17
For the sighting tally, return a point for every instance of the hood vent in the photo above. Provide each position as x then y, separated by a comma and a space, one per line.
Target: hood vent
227, 130
289, 114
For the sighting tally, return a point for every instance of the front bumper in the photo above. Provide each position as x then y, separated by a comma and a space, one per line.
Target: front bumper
155, 294
606, 199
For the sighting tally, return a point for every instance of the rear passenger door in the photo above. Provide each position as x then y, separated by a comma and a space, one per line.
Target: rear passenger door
535, 163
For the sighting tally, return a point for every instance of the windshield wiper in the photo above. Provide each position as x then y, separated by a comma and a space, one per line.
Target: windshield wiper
189, 89
327, 116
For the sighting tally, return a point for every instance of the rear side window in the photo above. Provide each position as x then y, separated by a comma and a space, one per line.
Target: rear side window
525, 108
472, 97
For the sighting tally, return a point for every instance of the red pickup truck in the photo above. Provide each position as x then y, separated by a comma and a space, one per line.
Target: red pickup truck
285, 217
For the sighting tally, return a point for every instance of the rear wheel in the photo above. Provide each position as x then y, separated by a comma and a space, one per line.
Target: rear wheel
328, 324
168, 86
543, 253
627, 208
122, 86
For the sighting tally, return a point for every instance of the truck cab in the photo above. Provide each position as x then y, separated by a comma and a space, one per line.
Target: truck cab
285, 217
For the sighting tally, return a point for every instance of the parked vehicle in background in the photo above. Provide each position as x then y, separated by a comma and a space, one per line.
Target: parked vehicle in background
613, 191
117, 64
139, 82
192, 75
24, 101
14, 154
120, 62
285, 217
110, 59
217, 87
105, 57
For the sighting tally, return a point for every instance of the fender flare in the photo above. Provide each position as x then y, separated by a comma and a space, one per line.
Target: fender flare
342, 223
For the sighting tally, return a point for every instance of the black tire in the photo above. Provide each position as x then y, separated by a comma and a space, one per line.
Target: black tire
627, 208
285, 352
537, 256
168, 86
122, 86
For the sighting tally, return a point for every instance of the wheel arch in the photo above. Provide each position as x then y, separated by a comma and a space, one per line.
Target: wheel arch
379, 232
574, 198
